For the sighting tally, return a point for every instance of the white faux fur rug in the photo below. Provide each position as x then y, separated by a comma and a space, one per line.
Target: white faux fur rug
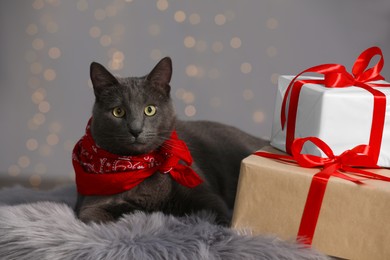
42, 225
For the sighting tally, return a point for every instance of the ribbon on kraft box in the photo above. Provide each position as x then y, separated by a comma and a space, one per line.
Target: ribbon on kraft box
336, 76
331, 165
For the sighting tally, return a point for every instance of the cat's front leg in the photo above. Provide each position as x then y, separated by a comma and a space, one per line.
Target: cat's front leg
95, 214
106, 213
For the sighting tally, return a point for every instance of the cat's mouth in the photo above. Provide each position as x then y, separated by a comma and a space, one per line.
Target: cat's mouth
131, 146
139, 146
138, 141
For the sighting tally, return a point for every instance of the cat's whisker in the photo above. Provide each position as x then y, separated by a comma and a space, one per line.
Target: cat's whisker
170, 146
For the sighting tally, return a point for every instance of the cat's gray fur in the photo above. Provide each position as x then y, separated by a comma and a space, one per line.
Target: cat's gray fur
217, 149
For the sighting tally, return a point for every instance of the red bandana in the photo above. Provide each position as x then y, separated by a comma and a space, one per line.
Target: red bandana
99, 172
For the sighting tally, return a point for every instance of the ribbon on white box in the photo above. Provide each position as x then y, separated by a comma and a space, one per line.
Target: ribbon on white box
343, 110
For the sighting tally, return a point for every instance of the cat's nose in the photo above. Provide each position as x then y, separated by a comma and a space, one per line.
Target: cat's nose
135, 128
136, 132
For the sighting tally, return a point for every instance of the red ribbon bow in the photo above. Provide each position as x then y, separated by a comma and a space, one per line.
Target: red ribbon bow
332, 165
336, 76
99, 172
181, 173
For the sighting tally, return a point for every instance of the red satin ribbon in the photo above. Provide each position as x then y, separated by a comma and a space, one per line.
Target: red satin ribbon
331, 166
336, 76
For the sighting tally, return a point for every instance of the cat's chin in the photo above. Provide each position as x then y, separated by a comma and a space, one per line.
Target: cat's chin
134, 147
137, 149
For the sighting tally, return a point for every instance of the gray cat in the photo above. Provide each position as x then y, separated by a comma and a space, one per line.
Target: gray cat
135, 115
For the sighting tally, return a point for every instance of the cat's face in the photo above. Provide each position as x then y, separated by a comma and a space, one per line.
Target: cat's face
132, 115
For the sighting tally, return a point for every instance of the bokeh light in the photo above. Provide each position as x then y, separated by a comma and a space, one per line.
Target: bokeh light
36, 68
180, 16
258, 116
190, 111
38, 44
24, 161
192, 71
32, 144
272, 23
38, 4
14, 170
52, 139
82, 5
246, 67
105, 40
248, 94
44, 107
235, 42
95, 32
49, 74
54, 53
100, 14
32, 29
220, 19
39, 95
189, 42
162, 5
35, 180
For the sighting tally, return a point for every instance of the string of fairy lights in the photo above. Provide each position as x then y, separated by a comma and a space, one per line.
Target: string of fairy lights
43, 75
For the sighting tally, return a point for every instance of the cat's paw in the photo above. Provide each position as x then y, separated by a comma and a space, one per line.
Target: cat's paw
96, 215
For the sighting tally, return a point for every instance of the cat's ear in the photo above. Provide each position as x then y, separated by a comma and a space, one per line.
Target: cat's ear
161, 75
101, 78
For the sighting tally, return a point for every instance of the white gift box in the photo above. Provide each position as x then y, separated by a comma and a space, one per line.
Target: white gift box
341, 117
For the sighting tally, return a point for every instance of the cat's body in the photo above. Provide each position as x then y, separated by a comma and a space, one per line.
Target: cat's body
144, 120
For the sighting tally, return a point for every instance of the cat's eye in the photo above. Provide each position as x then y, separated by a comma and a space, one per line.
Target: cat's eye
118, 112
150, 110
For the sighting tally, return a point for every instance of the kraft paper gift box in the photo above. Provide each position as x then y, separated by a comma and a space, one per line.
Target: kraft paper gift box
341, 117
343, 109
354, 220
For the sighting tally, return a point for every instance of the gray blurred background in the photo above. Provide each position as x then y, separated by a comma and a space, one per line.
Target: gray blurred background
227, 56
